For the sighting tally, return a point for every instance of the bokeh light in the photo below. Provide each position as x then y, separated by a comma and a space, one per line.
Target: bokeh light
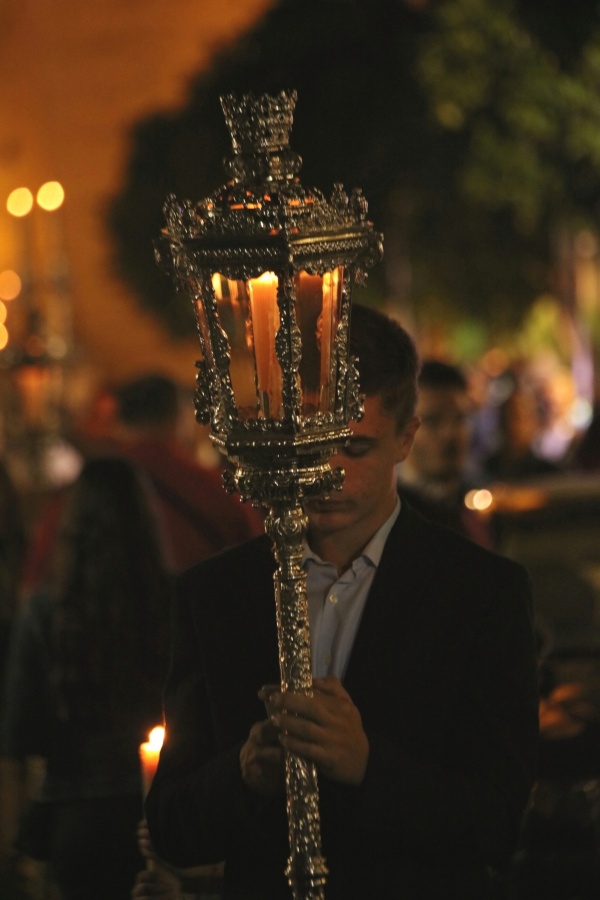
34, 346
50, 196
20, 202
3, 313
478, 499
494, 362
3, 337
581, 412
10, 285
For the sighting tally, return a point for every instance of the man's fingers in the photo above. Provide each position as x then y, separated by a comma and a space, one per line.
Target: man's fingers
325, 728
264, 733
300, 727
262, 759
310, 705
268, 689
330, 686
297, 705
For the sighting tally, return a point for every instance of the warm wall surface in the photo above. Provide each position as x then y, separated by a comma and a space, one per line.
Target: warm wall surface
74, 77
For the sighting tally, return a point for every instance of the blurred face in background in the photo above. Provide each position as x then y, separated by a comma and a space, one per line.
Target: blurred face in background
520, 421
441, 448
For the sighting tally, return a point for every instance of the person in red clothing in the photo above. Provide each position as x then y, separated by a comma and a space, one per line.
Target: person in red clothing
196, 517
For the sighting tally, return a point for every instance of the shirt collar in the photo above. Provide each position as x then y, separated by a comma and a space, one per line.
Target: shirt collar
374, 549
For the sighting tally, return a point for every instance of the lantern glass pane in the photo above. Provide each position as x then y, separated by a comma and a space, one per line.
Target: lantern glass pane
249, 316
318, 307
234, 316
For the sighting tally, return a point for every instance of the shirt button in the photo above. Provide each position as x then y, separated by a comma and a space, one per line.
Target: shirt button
327, 659
333, 599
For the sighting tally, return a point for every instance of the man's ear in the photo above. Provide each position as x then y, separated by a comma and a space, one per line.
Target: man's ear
406, 438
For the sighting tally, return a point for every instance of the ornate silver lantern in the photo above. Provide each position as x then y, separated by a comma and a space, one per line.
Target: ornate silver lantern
270, 267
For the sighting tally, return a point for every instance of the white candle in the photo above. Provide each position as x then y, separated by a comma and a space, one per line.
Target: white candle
265, 324
329, 321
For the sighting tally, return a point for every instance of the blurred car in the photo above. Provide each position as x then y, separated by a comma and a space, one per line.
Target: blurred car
551, 524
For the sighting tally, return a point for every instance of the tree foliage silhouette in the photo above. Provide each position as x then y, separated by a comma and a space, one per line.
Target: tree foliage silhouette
473, 129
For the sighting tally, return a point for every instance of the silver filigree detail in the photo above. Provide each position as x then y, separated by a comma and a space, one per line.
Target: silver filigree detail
202, 393
306, 869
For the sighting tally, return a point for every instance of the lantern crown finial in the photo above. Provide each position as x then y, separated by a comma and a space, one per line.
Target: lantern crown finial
259, 123
260, 130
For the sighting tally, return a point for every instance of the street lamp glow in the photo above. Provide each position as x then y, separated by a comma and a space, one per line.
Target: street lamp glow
50, 196
10, 285
478, 499
20, 202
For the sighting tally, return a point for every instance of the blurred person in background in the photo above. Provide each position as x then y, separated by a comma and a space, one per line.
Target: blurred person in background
140, 422
12, 555
437, 473
519, 427
87, 661
584, 455
199, 518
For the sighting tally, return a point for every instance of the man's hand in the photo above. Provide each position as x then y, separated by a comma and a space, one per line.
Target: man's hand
325, 729
262, 760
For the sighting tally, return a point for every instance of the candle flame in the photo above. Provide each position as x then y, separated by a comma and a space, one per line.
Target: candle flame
268, 278
156, 737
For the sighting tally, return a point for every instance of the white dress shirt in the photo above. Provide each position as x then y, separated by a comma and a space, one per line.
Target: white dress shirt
335, 604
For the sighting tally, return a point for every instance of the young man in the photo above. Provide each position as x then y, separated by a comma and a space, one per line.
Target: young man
423, 722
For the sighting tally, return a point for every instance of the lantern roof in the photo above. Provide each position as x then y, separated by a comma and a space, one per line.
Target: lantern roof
263, 218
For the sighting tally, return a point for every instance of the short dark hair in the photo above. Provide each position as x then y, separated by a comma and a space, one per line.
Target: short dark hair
147, 400
437, 374
387, 361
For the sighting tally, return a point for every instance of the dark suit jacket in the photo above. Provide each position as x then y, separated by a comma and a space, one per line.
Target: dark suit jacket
443, 672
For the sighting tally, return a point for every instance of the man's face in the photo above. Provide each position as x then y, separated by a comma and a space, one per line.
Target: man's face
368, 495
441, 447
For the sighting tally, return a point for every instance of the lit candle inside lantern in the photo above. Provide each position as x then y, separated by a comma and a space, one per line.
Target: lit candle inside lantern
265, 324
328, 324
149, 753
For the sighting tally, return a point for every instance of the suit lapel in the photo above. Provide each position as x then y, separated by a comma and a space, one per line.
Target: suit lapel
397, 607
